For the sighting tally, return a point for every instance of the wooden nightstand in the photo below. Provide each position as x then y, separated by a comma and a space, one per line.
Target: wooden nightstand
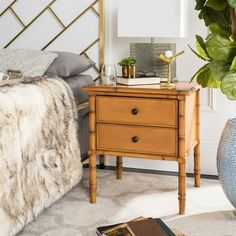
145, 122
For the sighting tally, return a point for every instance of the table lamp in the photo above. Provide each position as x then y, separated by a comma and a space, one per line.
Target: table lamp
153, 19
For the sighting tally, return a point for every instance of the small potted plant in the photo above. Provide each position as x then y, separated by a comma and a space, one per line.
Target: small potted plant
128, 67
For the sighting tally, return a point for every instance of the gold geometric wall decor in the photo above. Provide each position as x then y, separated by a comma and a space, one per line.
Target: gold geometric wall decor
95, 6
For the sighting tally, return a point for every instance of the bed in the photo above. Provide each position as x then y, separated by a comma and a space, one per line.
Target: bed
90, 46
68, 19
76, 83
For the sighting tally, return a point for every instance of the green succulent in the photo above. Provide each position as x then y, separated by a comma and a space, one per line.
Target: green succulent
128, 61
218, 49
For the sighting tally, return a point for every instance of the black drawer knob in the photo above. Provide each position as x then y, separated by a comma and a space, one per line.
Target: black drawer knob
134, 111
135, 139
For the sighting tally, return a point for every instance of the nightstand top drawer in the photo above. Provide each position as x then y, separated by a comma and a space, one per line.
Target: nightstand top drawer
140, 139
139, 111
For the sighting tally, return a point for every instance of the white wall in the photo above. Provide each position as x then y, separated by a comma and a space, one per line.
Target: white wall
215, 108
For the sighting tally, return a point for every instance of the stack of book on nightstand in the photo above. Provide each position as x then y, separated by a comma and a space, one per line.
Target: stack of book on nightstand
137, 227
139, 81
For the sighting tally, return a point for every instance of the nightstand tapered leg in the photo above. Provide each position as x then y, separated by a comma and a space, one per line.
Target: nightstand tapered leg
92, 149
197, 162
182, 177
92, 178
197, 175
119, 166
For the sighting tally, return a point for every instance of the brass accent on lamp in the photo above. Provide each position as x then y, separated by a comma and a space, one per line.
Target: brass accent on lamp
168, 59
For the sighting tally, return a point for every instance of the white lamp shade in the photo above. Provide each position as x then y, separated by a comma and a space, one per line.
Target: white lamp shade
152, 18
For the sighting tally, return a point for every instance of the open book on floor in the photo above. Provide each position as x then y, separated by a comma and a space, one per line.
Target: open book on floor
137, 227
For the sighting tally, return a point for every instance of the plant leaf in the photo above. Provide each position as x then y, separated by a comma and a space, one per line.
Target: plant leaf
228, 86
233, 65
198, 55
199, 4
220, 17
232, 3
215, 28
221, 49
198, 72
201, 41
205, 79
218, 5
201, 47
218, 69
209, 36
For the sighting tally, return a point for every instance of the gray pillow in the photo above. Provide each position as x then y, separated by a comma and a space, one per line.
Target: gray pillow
31, 63
68, 64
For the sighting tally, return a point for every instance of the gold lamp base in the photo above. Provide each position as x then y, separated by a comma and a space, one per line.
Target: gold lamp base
168, 85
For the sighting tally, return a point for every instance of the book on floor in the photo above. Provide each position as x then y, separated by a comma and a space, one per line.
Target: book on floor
116, 229
149, 227
137, 227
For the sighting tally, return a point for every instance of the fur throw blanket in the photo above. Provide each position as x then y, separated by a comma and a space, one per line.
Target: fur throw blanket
39, 151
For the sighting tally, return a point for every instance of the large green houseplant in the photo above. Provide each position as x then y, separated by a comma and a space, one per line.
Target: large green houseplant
219, 47
219, 52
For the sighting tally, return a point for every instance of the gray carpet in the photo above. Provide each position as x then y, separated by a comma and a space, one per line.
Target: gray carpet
206, 224
137, 194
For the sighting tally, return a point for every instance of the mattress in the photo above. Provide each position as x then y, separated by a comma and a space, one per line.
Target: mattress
76, 83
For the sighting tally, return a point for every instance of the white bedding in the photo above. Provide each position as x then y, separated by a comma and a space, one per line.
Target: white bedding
39, 150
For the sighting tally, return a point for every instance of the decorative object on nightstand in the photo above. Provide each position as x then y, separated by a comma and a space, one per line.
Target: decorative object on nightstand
129, 74
108, 74
168, 58
128, 67
147, 122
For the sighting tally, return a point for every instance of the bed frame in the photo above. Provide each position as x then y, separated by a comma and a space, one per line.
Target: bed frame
95, 6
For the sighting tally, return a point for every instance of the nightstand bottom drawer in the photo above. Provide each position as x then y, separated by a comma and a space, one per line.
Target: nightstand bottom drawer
154, 140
